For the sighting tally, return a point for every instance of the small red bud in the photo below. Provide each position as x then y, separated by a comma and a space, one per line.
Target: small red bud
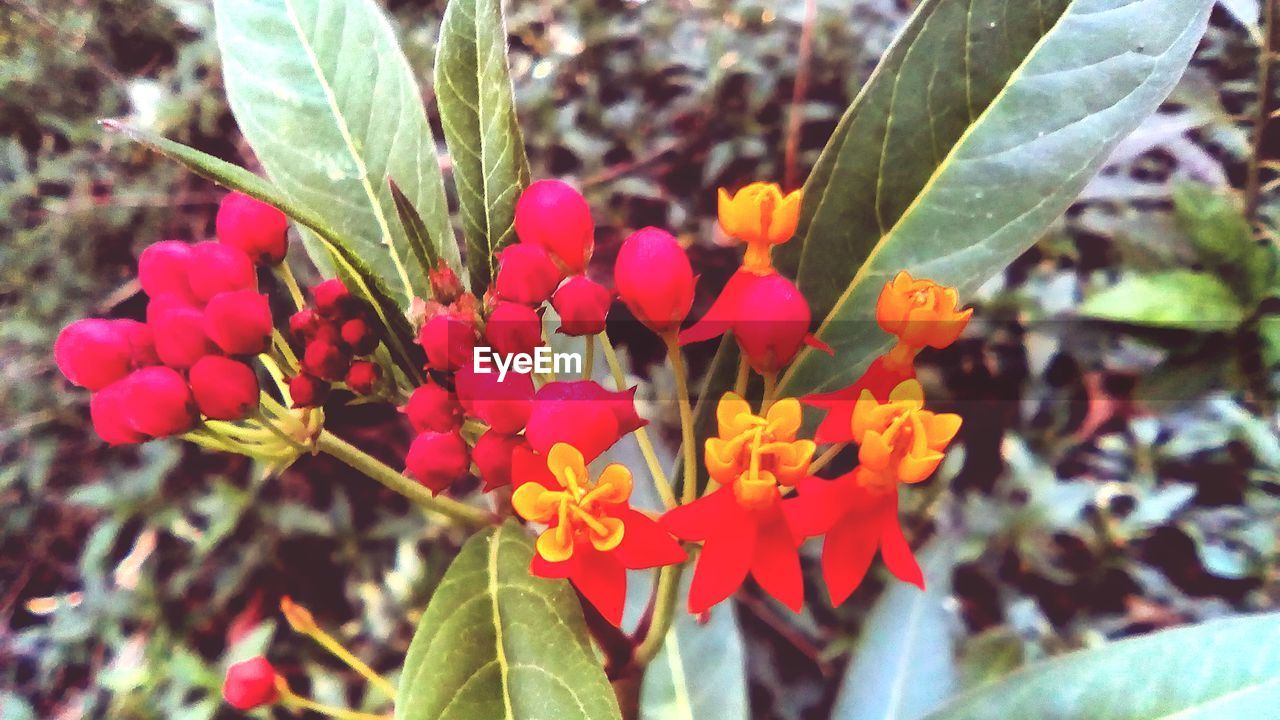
142, 345
326, 360
448, 340
93, 353
307, 391
654, 279
251, 684
505, 405
513, 328
554, 215
165, 267
239, 322
432, 407
217, 268
254, 227
445, 285
180, 336
492, 456
581, 413
583, 306
437, 460
303, 324
224, 389
363, 377
332, 299
357, 333
526, 274
771, 322
160, 403
109, 410
157, 305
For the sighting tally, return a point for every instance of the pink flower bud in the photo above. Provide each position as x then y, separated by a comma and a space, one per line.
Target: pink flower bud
437, 460
359, 336
332, 299
583, 414
554, 215
239, 322
251, 684
526, 274
157, 305
492, 456
93, 353
307, 391
109, 411
254, 227
363, 377
216, 268
224, 389
771, 322
303, 324
326, 360
164, 268
513, 328
583, 306
180, 336
504, 405
142, 345
432, 407
160, 403
654, 279
449, 341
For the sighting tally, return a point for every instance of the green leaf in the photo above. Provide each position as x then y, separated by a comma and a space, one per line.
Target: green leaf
478, 113
414, 228
323, 93
1223, 239
1219, 669
359, 278
1178, 299
904, 664
497, 642
978, 128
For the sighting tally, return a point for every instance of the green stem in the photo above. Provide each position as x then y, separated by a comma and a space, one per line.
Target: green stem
589, 357
353, 456
298, 702
688, 441
286, 276
827, 456
770, 391
664, 613
660, 480
744, 375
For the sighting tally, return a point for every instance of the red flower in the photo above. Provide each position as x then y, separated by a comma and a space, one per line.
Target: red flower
503, 404
554, 215
493, 455
251, 684
583, 306
583, 414
180, 336
513, 328
256, 228
437, 460
768, 315
109, 411
654, 279
526, 274
880, 379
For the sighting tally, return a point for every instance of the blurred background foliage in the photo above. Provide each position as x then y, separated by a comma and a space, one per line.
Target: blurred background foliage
1120, 469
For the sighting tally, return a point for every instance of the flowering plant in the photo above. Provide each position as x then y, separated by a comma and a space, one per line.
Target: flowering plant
811, 416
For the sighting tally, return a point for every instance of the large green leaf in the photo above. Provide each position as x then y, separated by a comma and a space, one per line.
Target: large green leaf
977, 129
323, 93
904, 665
1224, 669
1177, 299
498, 643
478, 113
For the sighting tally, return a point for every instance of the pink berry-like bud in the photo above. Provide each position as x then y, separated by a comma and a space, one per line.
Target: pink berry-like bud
437, 460
526, 274
303, 324
772, 322
326, 360
492, 455
93, 353
503, 404
251, 684
448, 340
434, 408
180, 336
307, 391
157, 305
254, 227
216, 268
654, 279
164, 268
160, 403
554, 215
513, 329
331, 297
109, 411
357, 334
224, 389
239, 322
583, 306
363, 377
142, 345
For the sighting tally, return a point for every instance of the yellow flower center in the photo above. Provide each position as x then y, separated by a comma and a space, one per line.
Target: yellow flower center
899, 438
579, 510
755, 455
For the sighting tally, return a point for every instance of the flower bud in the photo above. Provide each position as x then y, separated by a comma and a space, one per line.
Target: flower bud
180, 336
526, 274
554, 215
772, 322
761, 216
504, 405
307, 391
251, 684
160, 403
142, 345
654, 279
303, 324
157, 305
921, 312
326, 360
363, 377
224, 389
165, 267
583, 414
583, 306
445, 285
448, 340
93, 353
359, 336
513, 329
437, 460
254, 227
492, 456
432, 407
331, 297
217, 268
239, 322
109, 411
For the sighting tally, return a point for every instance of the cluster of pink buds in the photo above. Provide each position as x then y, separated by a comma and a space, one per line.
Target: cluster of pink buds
337, 337
204, 318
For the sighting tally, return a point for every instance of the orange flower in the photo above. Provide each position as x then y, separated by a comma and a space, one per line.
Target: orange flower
754, 454
900, 440
578, 510
920, 313
761, 216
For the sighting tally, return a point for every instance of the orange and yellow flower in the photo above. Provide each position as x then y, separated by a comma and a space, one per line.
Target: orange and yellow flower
899, 438
920, 313
754, 454
761, 216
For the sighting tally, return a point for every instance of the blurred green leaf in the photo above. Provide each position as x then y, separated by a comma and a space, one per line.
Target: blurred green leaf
990, 655
1224, 240
1179, 299
498, 642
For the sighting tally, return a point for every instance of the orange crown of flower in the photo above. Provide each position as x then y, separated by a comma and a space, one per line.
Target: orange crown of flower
580, 510
899, 439
755, 454
761, 216
920, 312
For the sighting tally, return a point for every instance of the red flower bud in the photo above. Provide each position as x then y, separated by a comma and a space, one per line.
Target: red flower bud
363, 377
771, 322
239, 322
224, 389
583, 306
357, 333
93, 353
492, 455
654, 279
437, 460
332, 299
326, 360
254, 227
109, 411
554, 215
526, 274
513, 328
449, 341
160, 403
251, 684
445, 285
303, 324
217, 268
164, 267
142, 345
583, 414
504, 405
432, 407
307, 391
157, 305
180, 336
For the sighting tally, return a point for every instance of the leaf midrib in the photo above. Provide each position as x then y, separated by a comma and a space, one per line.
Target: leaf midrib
504, 668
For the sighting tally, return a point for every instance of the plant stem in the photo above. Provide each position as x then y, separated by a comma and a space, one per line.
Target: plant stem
589, 357
744, 376
298, 702
689, 492
286, 276
664, 612
642, 434
1268, 48
826, 457
770, 391
326, 641
353, 456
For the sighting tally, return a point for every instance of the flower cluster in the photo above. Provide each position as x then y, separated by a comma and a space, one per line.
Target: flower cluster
337, 337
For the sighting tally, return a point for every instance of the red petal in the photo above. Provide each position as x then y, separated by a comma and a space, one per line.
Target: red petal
818, 506
722, 313
645, 544
776, 564
847, 553
701, 518
896, 552
813, 342
528, 466
543, 568
724, 563
602, 581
